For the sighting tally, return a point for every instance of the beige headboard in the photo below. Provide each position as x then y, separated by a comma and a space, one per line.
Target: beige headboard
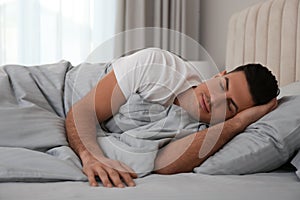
267, 33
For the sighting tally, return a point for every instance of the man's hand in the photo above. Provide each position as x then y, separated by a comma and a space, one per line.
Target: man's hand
111, 172
183, 155
250, 115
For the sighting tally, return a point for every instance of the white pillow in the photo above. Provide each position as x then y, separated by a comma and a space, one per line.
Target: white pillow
290, 89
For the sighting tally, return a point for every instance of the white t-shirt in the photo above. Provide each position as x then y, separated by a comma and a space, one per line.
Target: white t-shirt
155, 74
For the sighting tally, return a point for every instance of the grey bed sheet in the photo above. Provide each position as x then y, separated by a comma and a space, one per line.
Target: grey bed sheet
33, 105
188, 186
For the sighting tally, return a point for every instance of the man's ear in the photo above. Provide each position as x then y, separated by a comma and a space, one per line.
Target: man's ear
222, 73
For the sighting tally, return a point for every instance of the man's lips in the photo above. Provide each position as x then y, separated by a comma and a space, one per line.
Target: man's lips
203, 104
207, 105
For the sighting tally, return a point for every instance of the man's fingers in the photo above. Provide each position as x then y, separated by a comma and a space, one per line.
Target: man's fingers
129, 170
121, 167
115, 177
133, 175
271, 105
275, 104
110, 172
121, 173
104, 178
127, 179
91, 178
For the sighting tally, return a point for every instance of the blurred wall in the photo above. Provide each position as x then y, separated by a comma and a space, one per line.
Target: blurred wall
214, 18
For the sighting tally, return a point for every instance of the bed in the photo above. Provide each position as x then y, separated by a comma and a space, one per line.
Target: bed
266, 166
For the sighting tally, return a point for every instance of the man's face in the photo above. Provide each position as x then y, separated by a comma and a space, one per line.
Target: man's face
222, 97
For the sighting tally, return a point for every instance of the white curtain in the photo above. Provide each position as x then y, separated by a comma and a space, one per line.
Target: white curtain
45, 31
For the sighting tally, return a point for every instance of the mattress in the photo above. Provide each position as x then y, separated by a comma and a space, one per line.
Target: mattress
274, 185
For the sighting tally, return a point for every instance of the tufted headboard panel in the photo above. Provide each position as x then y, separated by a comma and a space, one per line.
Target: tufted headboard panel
267, 33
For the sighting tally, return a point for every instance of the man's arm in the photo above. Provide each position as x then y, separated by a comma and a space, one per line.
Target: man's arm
98, 105
187, 153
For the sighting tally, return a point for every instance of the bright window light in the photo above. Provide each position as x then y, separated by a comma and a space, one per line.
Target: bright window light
44, 31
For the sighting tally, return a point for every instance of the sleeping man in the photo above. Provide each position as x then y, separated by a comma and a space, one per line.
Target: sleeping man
229, 102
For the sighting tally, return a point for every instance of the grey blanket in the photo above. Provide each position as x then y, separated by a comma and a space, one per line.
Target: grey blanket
33, 105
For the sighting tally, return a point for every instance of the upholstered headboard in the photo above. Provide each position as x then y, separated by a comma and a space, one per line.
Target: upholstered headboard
267, 33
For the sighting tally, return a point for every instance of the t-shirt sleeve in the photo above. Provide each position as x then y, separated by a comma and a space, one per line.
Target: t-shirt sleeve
156, 74
130, 70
